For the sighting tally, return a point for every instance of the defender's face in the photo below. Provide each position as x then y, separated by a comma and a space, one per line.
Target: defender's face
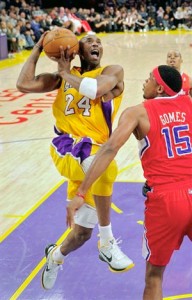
174, 59
150, 88
91, 49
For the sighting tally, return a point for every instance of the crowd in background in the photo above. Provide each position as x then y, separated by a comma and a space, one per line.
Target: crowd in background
24, 21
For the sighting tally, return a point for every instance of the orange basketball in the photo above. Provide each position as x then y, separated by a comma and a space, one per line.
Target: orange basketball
60, 37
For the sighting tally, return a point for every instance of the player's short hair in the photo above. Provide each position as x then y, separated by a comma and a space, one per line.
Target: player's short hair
177, 52
88, 34
169, 78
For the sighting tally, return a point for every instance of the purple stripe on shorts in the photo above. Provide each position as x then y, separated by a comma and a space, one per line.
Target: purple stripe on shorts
107, 111
82, 149
65, 144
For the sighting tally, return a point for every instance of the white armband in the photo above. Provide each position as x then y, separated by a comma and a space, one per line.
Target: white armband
88, 87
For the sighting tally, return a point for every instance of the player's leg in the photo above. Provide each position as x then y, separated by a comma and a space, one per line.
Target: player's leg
170, 206
85, 221
109, 251
153, 282
157, 245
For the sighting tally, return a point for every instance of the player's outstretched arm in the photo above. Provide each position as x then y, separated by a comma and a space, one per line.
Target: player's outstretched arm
28, 82
127, 124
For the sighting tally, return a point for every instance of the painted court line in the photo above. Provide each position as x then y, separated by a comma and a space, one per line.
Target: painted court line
24, 282
23, 218
34, 272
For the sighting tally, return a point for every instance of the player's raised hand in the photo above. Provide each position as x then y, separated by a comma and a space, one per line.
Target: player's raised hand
64, 61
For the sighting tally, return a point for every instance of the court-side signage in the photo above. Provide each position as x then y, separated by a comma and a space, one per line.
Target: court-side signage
16, 113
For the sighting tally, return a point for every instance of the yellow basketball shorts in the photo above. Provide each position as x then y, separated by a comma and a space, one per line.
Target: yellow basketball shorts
72, 158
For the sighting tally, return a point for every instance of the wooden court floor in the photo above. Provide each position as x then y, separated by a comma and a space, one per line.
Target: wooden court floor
28, 176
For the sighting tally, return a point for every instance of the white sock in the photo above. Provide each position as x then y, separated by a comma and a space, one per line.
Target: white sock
105, 234
57, 255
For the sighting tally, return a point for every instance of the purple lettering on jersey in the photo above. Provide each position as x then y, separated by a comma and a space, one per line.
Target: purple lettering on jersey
82, 149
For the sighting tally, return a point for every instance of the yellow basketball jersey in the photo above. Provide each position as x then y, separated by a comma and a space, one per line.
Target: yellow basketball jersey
82, 117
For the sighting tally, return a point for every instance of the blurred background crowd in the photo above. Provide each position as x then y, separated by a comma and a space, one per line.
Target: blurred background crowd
24, 21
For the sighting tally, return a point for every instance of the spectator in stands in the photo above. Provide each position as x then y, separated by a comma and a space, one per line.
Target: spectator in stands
28, 32
3, 27
22, 16
179, 17
110, 21
36, 27
159, 18
56, 20
141, 24
90, 17
151, 11
168, 18
187, 17
12, 39
129, 22
4, 16
25, 8
12, 18
101, 25
46, 22
37, 11
151, 23
21, 37
142, 11
76, 23
118, 19
78, 15
65, 19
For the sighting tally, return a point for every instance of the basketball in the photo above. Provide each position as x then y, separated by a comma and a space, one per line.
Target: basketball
60, 37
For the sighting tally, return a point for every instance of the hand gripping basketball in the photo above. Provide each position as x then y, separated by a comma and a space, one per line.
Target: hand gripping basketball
58, 37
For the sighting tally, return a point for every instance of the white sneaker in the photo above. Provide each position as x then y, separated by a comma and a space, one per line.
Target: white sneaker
51, 268
116, 259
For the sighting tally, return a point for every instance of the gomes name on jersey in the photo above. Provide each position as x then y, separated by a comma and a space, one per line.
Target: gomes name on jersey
173, 117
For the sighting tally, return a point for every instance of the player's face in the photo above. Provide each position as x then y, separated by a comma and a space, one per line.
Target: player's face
150, 88
174, 59
91, 49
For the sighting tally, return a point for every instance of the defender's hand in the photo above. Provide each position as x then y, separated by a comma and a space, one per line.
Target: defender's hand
71, 208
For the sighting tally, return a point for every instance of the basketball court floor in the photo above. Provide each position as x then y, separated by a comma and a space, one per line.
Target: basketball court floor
32, 193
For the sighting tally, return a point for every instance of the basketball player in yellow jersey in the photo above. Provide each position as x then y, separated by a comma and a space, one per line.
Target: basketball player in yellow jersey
87, 101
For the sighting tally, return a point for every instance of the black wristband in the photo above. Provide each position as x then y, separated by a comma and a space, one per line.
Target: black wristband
39, 47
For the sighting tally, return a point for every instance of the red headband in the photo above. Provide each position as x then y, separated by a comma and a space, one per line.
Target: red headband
160, 81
